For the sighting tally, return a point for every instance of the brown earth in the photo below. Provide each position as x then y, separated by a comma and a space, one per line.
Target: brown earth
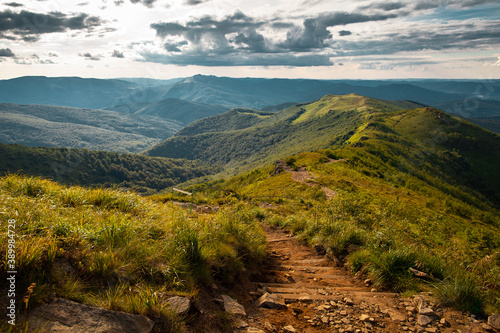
305, 177
319, 296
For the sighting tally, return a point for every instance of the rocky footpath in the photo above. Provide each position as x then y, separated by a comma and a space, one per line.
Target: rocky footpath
300, 290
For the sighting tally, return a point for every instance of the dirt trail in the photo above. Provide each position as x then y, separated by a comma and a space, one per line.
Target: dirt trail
321, 297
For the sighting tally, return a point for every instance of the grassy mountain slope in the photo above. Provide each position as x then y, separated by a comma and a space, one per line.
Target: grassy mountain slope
172, 109
389, 215
411, 188
235, 119
58, 126
329, 121
100, 168
117, 250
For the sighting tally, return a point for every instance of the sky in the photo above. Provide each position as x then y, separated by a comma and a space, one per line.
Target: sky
355, 39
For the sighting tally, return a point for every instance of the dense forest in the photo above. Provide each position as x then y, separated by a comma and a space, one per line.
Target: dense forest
99, 168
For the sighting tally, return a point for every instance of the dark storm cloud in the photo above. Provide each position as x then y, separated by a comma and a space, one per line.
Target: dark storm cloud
345, 33
208, 32
194, 2
29, 26
13, 4
387, 6
6, 53
235, 40
117, 54
315, 34
175, 47
147, 3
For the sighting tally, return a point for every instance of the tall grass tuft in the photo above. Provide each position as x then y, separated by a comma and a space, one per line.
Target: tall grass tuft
462, 292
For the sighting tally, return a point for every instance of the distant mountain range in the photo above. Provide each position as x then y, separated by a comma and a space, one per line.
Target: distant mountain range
136, 113
254, 93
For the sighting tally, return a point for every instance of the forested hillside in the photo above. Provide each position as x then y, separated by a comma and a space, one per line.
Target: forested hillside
99, 168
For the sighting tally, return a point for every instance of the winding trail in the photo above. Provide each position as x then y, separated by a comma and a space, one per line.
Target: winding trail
318, 296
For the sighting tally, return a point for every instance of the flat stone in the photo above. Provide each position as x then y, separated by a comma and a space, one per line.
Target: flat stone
63, 316
270, 301
494, 321
431, 329
179, 305
233, 307
396, 315
289, 328
364, 317
426, 311
254, 330
348, 301
424, 320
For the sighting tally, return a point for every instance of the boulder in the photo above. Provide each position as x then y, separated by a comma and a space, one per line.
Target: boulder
424, 320
63, 316
179, 305
233, 307
494, 321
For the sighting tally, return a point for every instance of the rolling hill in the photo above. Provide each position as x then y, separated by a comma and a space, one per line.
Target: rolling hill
247, 138
418, 140
59, 126
176, 109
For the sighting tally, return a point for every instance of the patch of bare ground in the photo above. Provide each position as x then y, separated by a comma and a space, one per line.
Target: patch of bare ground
305, 177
